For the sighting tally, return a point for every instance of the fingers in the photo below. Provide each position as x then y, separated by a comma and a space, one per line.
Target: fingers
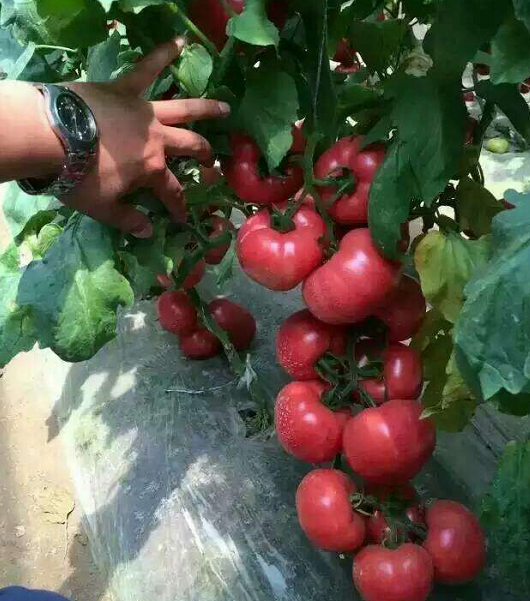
170, 192
185, 143
146, 71
173, 112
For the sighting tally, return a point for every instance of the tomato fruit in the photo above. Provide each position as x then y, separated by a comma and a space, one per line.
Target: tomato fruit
199, 344
345, 54
219, 225
281, 260
402, 574
403, 311
402, 375
176, 312
455, 542
389, 444
306, 428
302, 339
237, 322
469, 96
354, 281
243, 176
345, 155
482, 69
325, 512
195, 275
211, 17
164, 280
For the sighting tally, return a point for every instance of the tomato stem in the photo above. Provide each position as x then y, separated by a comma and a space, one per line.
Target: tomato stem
193, 28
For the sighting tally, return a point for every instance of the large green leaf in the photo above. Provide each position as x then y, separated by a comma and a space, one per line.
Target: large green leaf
102, 59
23, 62
510, 53
253, 25
505, 514
73, 23
507, 97
268, 111
378, 42
522, 11
476, 207
492, 335
445, 263
22, 210
75, 291
195, 68
17, 331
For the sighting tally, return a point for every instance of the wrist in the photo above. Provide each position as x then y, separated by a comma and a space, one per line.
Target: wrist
30, 148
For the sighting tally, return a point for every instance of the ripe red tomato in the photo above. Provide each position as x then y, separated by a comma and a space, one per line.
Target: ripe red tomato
195, 275
212, 19
403, 311
325, 512
352, 207
402, 574
347, 70
176, 312
389, 444
469, 96
299, 141
235, 320
305, 427
164, 280
243, 176
302, 339
402, 375
455, 542
345, 54
524, 88
220, 225
281, 260
356, 278
199, 344
482, 69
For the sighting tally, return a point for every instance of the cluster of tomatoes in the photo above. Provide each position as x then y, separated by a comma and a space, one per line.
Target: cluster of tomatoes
356, 384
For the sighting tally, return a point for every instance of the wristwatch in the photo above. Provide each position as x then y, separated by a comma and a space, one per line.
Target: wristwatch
74, 124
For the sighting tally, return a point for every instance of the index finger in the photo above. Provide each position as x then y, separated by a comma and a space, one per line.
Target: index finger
173, 112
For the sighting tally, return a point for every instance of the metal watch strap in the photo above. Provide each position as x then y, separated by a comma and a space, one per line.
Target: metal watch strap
78, 158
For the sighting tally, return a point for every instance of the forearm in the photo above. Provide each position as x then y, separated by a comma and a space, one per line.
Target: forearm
28, 145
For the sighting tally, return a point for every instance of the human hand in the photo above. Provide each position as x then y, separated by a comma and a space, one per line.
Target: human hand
135, 137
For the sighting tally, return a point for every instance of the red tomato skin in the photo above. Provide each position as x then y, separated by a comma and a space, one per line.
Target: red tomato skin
482, 69
195, 275
356, 278
455, 542
299, 140
351, 208
305, 427
242, 174
200, 344
164, 280
402, 574
302, 339
345, 53
176, 312
402, 376
403, 311
238, 323
325, 512
389, 444
220, 225
278, 260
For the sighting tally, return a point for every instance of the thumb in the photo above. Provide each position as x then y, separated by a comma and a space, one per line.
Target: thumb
146, 71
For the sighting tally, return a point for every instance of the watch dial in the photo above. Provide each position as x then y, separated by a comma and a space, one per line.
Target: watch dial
75, 118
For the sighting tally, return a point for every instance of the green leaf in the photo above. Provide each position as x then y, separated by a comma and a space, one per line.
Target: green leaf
14, 58
476, 207
391, 193
510, 53
268, 111
492, 335
505, 512
445, 263
21, 210
434, 343
102, 59
353, 97
508, 99
74, 293
225, 270
17, 332
459, 30
522, 11
253, 25
72, 23
136, 5
195, 68
421, 9
48, 234
378, 42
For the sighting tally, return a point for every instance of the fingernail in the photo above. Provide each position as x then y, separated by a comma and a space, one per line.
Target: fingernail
143, 231
224, 108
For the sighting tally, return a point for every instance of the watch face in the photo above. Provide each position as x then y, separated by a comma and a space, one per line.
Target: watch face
75, 118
